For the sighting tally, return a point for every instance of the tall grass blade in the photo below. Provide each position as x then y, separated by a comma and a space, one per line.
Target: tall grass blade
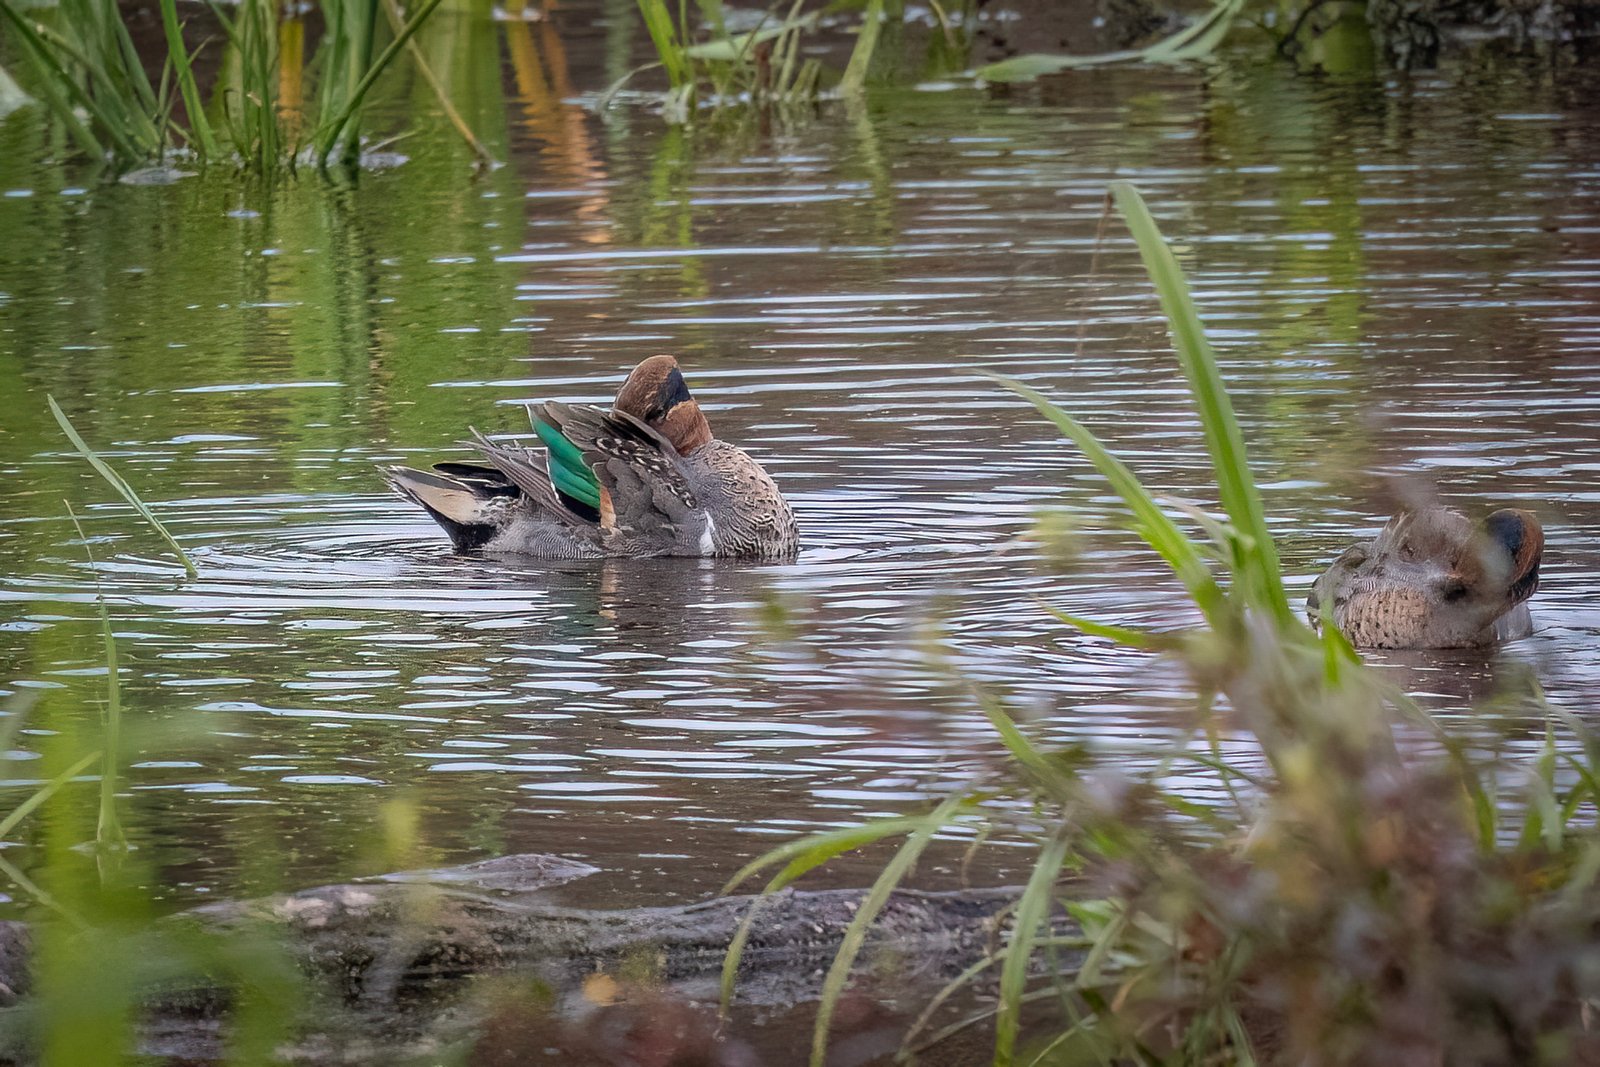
1122, 635
1150, 522
44, 793
94, 36
1024, 751
1195, 41
339, 133
664, 35
133, 67
806, 854
108, 824
1224, 438
855, 73
1199, 39
55, 83
440, 93
1033, 910
199, 127
108, 827
736, 48
39, 893
843, 840
855, 934
116, 482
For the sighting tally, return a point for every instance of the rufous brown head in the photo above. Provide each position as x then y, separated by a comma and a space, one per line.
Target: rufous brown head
656, 394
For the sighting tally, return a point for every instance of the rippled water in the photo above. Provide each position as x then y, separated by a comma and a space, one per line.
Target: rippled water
1402, 279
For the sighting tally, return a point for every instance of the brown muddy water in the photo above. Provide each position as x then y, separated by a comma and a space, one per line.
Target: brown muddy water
1401, 276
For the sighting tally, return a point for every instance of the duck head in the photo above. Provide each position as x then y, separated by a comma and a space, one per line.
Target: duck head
1434, 579
656, 394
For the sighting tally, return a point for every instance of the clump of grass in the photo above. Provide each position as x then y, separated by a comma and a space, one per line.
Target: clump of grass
1196, 41
87, 71
115, 480
86, 63
1346, 905
763, 67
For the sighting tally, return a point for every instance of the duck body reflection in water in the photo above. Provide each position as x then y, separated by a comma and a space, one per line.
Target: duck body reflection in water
1434, 579
646, 478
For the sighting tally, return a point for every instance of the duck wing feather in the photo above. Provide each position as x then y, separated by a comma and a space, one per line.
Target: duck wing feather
648, 506
527, 471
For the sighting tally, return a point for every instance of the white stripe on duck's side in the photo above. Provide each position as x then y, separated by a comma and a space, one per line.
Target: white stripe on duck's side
708, 544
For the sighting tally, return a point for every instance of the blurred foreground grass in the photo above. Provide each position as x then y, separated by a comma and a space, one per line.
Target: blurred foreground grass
1344, 906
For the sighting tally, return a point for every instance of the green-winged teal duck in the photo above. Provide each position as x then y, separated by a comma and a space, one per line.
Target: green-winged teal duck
1434, 579
646, 478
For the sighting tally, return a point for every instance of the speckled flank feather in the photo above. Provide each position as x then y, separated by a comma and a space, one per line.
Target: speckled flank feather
646, 478
752, 518
1433, 579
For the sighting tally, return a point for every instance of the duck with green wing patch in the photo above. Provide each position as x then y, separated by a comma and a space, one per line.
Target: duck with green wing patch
646, 478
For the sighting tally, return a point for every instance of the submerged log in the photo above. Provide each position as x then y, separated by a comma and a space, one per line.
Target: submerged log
400, 964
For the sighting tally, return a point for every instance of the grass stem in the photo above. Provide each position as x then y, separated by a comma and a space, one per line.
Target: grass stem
122, 487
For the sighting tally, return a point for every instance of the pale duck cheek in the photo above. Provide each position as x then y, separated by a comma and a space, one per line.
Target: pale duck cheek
707, 545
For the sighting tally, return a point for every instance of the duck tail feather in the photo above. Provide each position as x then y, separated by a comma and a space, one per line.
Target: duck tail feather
469, 514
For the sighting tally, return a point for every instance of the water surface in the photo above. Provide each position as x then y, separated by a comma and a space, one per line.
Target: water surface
1401, 278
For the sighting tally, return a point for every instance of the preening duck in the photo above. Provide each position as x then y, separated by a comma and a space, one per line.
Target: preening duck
1434, 579
646, 478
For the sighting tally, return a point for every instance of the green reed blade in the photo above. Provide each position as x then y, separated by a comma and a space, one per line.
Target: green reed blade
133, 66
736, 48
336, 131
199, 127
108, 827
44, 793
1199, 39
1122, 635
1149, 521
1024, 751
1224, 438
52, 77
664, 35
855, 934
396, 24
1195, 41
113, 76
801, 847
116, 482
908, 1047
810, 853
1033, 911
39, 893
855, 72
